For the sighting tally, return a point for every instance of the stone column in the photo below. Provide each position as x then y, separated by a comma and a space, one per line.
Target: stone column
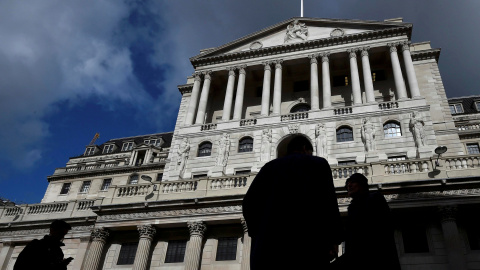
143, 251
357, 95
327, 92
237, 113
314, 95
452, 238
227, 106
367, 76
202, 106
194, 249
99, 238
247, 246
5, 254
412, 78
267, 76
192, 106
397, 72
277, 88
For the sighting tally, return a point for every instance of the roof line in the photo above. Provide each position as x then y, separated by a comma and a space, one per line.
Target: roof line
139, 136
472, 96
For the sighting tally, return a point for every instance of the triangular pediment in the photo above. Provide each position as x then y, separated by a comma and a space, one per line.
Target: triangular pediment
299, 30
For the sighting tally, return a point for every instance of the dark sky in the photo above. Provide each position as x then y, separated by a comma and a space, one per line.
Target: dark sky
69, 69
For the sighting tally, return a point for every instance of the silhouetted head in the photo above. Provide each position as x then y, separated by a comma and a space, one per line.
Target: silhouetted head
299, 145
356, 184
58, 229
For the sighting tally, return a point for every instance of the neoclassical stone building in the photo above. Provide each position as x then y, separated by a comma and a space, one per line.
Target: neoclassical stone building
368, 99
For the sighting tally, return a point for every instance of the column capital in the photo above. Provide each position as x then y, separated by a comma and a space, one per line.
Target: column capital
313, 58
231, 71
196, 228
146, 231
207, 74
352, 53
325, 56
393, 47
405, 45
100, 234
197, 76
448, 212
244, 225
241, 69
365, 50
278, 63
266, 65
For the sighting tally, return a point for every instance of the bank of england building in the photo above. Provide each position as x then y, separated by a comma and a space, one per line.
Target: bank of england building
368, 99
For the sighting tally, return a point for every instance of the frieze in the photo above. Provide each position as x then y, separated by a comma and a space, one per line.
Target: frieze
92, 159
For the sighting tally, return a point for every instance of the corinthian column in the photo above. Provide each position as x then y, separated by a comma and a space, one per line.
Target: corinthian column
202, 106
357, 96
327, 92
314, 82
143, 251
267, 76
453, 240
99, 238
397, 72
237, 113
247, 246
194, 249
192, 105
367, 76
412, 78
227, 106
277, 88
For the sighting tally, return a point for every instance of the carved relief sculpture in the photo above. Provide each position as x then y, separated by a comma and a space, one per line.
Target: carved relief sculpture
321, 140
417, 128
368, 135
296, 31
223, 150
266, 145
182, 154
293, 128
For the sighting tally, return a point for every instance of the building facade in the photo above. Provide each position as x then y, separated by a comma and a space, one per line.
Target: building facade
369, 101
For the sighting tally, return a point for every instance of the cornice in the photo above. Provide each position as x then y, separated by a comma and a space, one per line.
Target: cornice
202, 60
185, 88
426, 54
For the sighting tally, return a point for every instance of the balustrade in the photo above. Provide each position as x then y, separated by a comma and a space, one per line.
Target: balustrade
468, 127
459, 163
248, 122
345, 110
346, 171
388, 105
47, 208
13, 211
402, 167
111, 165
227, 183
85, 205
92, 167
132, 190
178, 187
73, 169
294, 116
208, 127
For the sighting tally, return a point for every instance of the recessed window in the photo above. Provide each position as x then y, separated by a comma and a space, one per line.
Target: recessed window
154, 142
243, 172
133, 179
477, 106
89, 151
127, 253
108, 149
106, 184
300, 108
127, 146
397, 158
65, 188
301, 86
176, 251
159, 176
196, 176
415, 239
344, 134
472, 148
456, 108
392, 129
227, 249
85, 186
205, 149
347, 162
245, 144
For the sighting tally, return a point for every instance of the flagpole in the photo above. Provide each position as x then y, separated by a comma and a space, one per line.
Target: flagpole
301, 12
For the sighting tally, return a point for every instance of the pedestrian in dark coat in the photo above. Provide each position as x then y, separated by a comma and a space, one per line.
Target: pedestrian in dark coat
46, 253
369, 242
292, 213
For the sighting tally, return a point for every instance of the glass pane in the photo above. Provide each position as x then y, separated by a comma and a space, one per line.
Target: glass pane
176, 251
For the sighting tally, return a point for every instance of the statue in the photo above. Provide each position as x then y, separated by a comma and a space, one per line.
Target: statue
417, 128
321, 140
223, 150
368, 135
296, 31
182, 153
266, 145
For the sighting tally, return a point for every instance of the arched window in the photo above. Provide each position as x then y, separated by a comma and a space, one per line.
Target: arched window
344, 134
302, 107
133, 179
245, 144
392, 129
205, 149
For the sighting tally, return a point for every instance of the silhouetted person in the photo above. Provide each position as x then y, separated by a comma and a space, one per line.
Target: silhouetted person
292, 213
45, 254
369, 242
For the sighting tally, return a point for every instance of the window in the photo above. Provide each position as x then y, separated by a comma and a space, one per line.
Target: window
65, 188
341, 80
154, 142
85, 186
392, 129
106, 184
108, 149
205, 149
300, 108
127, 253
227, 249
415, 239
243, 172
456, 108
477, 106
245, 145
397, 158
89, 151
344, 134
176, 251
133, 179
159, 176
378, 75
203, 175
301, 86
472, 148
127, 146
347, 162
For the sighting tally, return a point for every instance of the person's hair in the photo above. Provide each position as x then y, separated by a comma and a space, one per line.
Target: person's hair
60, 224
359, 178
297, 144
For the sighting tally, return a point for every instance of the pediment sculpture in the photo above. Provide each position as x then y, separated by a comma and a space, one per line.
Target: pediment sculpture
296, 32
